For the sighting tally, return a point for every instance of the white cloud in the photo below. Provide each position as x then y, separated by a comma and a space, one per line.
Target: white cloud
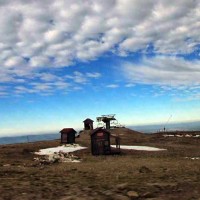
193, 97
23, 89
61, 85
112, 86
3, 93
79, 77
91, 28
34, 36
41, 88
54, 36
49, 82
93, 75
48, 77
163, 70
129, 85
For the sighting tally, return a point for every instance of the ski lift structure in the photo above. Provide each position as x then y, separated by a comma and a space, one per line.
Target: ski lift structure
108, 122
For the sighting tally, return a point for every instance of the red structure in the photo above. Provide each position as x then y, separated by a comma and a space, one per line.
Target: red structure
68, 136
88, 124
100, 142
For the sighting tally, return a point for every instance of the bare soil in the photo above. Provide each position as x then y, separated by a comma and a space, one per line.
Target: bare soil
168, 175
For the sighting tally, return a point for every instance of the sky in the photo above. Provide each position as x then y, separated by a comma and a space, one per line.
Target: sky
64, 61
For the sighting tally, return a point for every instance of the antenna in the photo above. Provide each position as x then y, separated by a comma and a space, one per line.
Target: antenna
167, 122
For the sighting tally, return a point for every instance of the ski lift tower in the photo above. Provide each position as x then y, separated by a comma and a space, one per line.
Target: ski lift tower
106, 119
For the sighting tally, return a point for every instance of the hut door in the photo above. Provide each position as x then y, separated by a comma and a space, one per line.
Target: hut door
100, 144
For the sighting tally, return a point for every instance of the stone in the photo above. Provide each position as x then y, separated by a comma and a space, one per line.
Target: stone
6, 165
145, 169
122, 186
162, 184
120, 197
132, 194
148, 195
108, 193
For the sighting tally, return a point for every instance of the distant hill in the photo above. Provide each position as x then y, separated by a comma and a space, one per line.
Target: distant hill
184, 126
125, 131
28, 138
128, 136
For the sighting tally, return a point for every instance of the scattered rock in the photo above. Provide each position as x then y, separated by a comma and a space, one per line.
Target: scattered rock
54, 158
132, 194
148, 195
122, 186
162, 185
27, 151
145, 169
57, 157
120, 197
157, 198
108, 193
86, 190
68, 198
7, 165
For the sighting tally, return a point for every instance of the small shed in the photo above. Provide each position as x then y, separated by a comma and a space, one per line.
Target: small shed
68, 136
100, 142
88, 124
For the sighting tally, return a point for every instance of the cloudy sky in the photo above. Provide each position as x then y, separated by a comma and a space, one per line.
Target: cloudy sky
63, 61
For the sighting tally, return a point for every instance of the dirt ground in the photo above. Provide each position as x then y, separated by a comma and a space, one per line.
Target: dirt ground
168, 175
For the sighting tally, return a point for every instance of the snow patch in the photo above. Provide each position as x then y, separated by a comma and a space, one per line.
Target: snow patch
139, 148
186, 136
63, 148
193, 158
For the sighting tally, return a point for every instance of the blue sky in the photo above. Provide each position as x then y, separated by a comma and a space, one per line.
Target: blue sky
64, 61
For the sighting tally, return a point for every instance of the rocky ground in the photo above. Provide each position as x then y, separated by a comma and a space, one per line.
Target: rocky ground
170, 174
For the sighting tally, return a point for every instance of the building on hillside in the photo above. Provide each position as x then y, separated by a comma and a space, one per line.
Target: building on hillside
101, 141
68, 136
88, 124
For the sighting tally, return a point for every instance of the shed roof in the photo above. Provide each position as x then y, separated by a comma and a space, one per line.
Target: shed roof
67, 130
99, 129
88, 120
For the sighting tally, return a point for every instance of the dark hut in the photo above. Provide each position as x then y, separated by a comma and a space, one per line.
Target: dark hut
100, 142
88, 124
68, 136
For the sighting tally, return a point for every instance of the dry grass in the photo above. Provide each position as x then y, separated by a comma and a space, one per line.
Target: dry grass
163, 175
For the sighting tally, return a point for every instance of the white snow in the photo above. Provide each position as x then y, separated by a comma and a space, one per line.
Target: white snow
193, 158
63, 148
186, 136
197, 136
139, 148
168, 135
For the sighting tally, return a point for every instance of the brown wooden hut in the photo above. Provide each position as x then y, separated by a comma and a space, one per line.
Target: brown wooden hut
88, 124
68, 136
100, 142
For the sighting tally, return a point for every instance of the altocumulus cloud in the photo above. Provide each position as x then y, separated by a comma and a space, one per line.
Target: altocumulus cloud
36, 35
